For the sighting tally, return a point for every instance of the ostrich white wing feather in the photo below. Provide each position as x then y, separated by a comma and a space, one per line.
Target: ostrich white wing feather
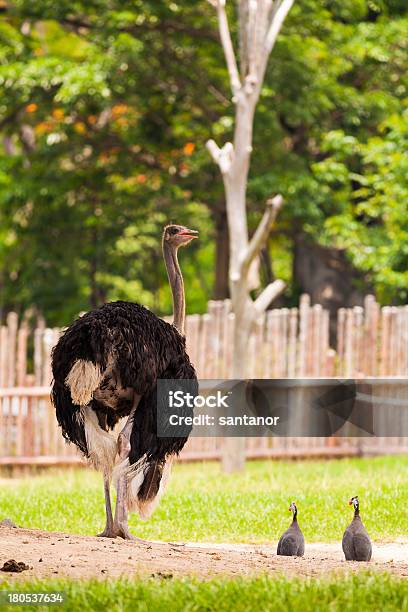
82, 380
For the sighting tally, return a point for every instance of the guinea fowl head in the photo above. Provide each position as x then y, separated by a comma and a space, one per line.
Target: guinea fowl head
178, 235
293, 508
354, 502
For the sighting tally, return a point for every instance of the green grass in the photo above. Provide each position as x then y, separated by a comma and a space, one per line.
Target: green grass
203, 504
363, 592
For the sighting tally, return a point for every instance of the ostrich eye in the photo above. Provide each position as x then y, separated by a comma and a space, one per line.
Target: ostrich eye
173, 231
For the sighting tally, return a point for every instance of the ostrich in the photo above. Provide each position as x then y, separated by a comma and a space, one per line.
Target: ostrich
105, 366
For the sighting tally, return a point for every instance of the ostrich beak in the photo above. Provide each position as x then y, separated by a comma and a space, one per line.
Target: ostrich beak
189, 232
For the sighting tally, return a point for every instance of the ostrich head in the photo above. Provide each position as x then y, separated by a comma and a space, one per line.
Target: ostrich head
175, 236
178, 235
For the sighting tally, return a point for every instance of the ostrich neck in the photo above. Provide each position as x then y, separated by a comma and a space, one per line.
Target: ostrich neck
177, 286
295, 516
357, 512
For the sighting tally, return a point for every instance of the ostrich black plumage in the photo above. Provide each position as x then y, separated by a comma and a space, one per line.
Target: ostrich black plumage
105, 367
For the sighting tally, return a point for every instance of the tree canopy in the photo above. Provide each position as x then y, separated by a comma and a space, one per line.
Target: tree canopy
105, 109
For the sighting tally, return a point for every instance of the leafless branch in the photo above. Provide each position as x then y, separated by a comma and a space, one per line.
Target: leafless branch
167, 26
214, 150
269, 294
243, 36
279, 12
226, 41
260, 236
252, 35
222, 156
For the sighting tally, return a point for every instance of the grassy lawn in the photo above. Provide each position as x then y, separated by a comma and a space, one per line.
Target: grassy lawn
202, 504
364, 592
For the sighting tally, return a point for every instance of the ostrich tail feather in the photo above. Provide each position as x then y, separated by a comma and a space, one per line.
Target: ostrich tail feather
146, 483
152, 488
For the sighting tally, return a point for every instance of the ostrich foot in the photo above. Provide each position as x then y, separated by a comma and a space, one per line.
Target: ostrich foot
115, 531
108, 532
122, 531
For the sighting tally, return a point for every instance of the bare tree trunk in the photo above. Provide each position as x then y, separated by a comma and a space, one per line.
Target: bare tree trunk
235, 184
259, 25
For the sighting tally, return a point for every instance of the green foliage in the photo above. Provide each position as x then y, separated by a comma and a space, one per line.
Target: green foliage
374, 227
332, 106
105, 111
363, 591
98, 160
202, 504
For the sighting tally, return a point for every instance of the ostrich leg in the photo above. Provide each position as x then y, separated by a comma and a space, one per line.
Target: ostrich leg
121, 527
107, 476
108, 532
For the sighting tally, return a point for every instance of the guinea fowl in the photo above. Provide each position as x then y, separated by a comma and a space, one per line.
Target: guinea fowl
106, 366
292, 542
356, 541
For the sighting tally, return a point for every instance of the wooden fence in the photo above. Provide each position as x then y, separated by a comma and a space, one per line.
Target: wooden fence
294, 343
286, 343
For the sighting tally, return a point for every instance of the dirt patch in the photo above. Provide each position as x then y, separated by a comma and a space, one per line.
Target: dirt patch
52, 555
